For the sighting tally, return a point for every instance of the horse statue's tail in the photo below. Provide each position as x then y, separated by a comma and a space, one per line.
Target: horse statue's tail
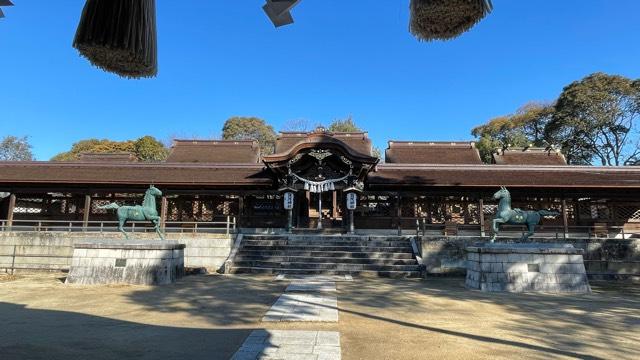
548, 213
109, 206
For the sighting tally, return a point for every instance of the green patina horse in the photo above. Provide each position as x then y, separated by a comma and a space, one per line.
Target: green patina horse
146, 212
506, 215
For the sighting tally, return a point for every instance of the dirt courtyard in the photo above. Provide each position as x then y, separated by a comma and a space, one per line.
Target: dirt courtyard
209, 316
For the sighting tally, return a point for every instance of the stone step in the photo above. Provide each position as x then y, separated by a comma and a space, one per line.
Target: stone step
329, 248
325, 266
327, 242
337, 260
337, 254
372, 273
265, 237
329, 238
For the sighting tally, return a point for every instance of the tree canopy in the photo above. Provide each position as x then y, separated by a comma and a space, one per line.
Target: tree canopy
344, 125
523, 128
250, 128
596, 120
14, 148
146, 148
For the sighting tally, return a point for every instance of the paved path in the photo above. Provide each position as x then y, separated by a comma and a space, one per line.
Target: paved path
306, 299
304, 307
290, 344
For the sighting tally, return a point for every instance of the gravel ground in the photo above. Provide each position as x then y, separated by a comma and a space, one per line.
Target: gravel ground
209, 317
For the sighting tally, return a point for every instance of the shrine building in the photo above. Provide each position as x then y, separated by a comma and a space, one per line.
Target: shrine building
442, 187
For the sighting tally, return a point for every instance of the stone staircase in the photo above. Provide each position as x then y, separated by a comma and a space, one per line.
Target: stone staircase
388, 256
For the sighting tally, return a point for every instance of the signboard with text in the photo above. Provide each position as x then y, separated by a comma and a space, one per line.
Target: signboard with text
352, 201
288, 200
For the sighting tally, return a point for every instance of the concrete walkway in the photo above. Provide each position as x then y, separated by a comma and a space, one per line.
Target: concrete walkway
306, 299
290, 344
310, 299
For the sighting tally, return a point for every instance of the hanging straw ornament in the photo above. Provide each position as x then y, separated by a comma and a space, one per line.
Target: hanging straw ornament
4, 3
119, 36
446, 19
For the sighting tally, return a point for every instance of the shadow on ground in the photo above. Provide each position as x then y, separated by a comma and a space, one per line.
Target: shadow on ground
45, 334
601, 325
217, 300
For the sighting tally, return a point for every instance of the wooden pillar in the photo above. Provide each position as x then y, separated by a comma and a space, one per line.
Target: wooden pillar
239, 221
12, 206
87, 211
565, 220
163, 212
399, 213
334, 202
481, 215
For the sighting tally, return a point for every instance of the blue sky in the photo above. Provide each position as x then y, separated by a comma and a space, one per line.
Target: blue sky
342, 57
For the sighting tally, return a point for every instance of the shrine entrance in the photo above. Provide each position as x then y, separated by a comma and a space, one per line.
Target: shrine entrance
319, 171
324, 208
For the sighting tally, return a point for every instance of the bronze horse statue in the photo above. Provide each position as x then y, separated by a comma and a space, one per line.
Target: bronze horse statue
147, 211
506, 215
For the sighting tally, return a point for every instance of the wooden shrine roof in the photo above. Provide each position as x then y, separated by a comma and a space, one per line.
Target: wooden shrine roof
392, 176
107, 157
386, 176
190, 174
358, 141
432, 152
528, 156
215, 151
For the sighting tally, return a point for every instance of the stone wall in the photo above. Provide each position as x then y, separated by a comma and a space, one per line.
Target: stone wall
142, 262
603, 258
526, 267
53, 250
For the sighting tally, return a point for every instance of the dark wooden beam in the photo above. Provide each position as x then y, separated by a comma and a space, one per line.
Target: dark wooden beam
12, 206
481, 216
564, 217
87, 211
163, 211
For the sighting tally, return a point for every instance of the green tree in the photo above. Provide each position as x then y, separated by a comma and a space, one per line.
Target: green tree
523, 128
250, 128
349, 125
596, 120
344, 125
13, 148
146, 148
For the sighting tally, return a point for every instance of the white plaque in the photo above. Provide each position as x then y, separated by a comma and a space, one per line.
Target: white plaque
288, 200
352, 201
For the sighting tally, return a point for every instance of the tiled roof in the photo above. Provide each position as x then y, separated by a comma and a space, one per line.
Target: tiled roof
215, 151
411, 175
237, 175
107, 157
431, 152
528, 156
386, 176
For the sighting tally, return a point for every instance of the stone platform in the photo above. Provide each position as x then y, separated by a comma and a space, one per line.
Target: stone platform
526, 267
126, 262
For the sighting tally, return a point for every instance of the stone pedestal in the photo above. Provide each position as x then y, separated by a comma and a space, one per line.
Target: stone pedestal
533, 267
126, 262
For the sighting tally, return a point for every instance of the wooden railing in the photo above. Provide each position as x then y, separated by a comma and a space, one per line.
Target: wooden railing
599, 230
